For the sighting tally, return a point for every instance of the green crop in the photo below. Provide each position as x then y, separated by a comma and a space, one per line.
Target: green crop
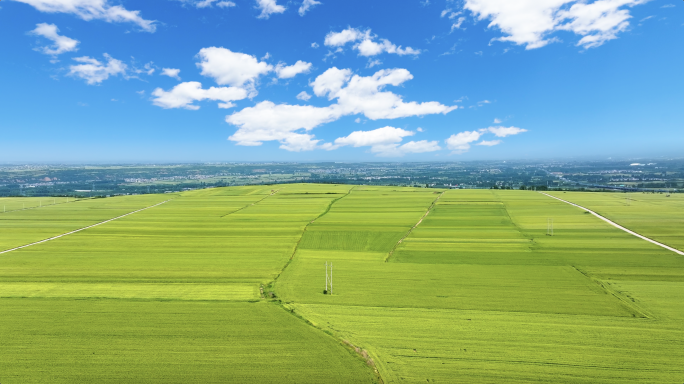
226, 285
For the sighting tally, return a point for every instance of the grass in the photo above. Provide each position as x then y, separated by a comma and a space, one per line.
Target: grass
477, 292
162, 295
656, 216
30, 225
114, 341
8, 204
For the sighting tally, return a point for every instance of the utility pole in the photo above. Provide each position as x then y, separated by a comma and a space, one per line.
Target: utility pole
549, 227
328, 279
325, 291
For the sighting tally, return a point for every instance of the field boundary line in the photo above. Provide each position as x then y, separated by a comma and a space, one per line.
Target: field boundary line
307, 226
605, 286
249, 205
82, 229
616, 225
414, 227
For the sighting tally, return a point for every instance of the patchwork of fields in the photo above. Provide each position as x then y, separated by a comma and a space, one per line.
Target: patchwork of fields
477, 292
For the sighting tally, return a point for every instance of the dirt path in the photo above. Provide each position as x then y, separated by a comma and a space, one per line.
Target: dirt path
84, 228
256, 202
414, 227
616, 225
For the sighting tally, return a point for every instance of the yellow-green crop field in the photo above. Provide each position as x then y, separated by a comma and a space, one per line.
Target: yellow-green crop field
458, 286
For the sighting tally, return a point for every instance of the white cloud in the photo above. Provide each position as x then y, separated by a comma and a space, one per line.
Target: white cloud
210, 3
338, 39
380, 136
184, 94
94, 71
421, 146
460, 142
357, 120
531, 22
385, 142
372, 63
497, 121
458, 23
354, 94
93, 9
505, 131
171, 72
449, 13
288, 72
303, 96
366, 44
420, 129
668, 6
306, 5
363, 94
148, 68
232, 68
314, 45
204, 3
489, 143
267, 121
268, 7
60, 44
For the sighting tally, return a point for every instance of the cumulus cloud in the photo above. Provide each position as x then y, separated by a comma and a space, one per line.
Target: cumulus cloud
93, 9
171, 72
354, 95
365, 43
303, 96
380, 136
184, 94
385, 142
497, 121
60, 44
460, 142
314, 45
94, 71
531, 22
489, 143
288, 72
364, 94
268, 121
232, 68
306, 5
505, 131
268, 7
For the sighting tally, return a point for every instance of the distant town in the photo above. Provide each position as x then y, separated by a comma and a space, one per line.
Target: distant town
117, 179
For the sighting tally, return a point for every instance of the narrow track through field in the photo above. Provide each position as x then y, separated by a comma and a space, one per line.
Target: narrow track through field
616, 225
81, 229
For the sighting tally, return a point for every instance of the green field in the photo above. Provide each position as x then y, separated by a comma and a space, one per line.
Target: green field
477, 292
656, 216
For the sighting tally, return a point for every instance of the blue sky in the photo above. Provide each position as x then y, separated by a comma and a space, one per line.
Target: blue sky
333, 80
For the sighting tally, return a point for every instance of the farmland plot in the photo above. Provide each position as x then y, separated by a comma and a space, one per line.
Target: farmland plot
656, 216
479, 293
170, 294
